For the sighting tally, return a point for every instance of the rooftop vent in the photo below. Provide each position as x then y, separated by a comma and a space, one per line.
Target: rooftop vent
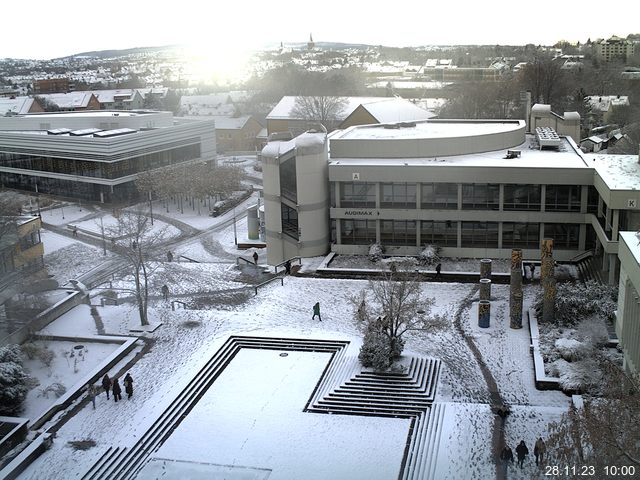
547, 137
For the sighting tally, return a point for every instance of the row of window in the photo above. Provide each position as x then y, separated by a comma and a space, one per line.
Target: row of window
475, 196
445, 233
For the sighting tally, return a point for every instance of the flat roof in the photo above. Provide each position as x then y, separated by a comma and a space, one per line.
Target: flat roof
90, 113
530, 157
427, 129
618, 172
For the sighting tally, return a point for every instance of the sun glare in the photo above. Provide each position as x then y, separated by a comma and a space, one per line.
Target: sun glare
221, 65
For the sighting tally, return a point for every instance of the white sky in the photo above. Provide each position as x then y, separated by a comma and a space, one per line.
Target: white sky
64, 29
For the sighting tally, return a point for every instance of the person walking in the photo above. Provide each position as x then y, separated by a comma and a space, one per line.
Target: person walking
521, 451
316, 311
92, 391
165, 292
438, 269
506, 456
532, 267
287, 267
255, 257
116, 390
539, 450
128, 385
106, 384
169, 256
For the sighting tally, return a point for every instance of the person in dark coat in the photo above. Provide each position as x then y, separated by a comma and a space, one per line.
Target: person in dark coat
128, 385
521, 451
539, 450
532, 267
316, 311
169, 256
165, 292
438, 268
287, 267
506, 455
106, 384
255, 257
92, 391
116, 390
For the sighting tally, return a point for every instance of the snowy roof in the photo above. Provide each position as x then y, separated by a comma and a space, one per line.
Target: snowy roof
602, 103
432, 129
530, 157
385, 109
108, 96
230, 123
619, 172
17, 105
69, 100
205, 100
158, 91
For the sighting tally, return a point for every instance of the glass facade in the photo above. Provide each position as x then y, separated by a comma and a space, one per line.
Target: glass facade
358, 232
359, 195
398, 232
439, 196
565, 235
288, 181
398, 195
522, 197
592, 200
480, 196
442, 234
480, 234
520, 235
562, 198
289, 221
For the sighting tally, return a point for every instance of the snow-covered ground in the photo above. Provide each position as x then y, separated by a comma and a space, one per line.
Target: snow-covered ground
252, 415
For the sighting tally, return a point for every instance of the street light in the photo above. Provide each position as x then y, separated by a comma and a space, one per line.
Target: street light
235, 233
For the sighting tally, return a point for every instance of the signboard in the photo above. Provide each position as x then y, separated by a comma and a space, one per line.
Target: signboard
632, 203
355, 176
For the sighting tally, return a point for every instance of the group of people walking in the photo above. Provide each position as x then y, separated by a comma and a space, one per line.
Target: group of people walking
111, 385
539, 450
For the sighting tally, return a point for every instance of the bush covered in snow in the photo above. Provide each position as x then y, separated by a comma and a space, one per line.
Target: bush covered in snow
577, 377
13, 380
571, 349
577, 301
376, 251
375, 351
430, 255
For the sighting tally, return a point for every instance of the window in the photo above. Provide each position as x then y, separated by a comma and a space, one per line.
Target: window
358, 232
358, 194
398, 195
522, 197
480, 196
562, 198
565, 236
439, 196
592, 200
520, 235
480, 234
288, 182
289, 221
442, 234
398, 232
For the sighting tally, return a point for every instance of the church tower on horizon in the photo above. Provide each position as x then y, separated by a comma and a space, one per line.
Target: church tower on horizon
310, 44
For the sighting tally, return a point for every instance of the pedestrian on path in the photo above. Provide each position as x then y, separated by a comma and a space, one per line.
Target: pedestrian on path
532, 267
169, 256
316, 311
255, 257
75, 232
287, 267
438, 269
539, 450
521, 451
165, 292
116, 390
106, 384
92, 391
506, 455
128, 385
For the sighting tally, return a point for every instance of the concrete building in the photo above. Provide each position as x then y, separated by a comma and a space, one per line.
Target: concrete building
614, 48
52, 85
474, 188
20, 245
96, 155
237, 134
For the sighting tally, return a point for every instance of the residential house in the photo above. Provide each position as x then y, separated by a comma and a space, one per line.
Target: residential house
19, 106
73, 101
20, 244
120, 99
237, 134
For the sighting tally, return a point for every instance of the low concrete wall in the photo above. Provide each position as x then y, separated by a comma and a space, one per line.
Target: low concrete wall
16, 435
543, 382
28, 455
45, 318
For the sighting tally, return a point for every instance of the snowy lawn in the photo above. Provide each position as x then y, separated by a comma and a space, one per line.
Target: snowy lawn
53, 241
67, 213
159, 230
73, 260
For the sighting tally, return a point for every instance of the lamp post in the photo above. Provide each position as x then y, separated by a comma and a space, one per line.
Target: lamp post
150, 208
104, 243
235, 233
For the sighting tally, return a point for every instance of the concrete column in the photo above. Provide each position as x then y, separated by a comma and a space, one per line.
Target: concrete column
546, 259
543, 198
615, 222
613, 260
515, 291
485, 267
584, 198
484, 314
549, 299
485, 289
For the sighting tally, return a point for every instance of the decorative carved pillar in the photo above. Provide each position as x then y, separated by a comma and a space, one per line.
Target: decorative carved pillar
485, 289
549, 300
546, 259
515, 293
485, 268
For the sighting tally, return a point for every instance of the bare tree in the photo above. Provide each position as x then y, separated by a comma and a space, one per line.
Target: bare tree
544, 76
388, 309
325, 109
135, 242
606, 430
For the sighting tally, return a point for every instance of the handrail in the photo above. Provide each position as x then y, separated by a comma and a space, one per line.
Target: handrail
189, 259
249, 262
292, 259
173, 304
280, 277
581, 256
